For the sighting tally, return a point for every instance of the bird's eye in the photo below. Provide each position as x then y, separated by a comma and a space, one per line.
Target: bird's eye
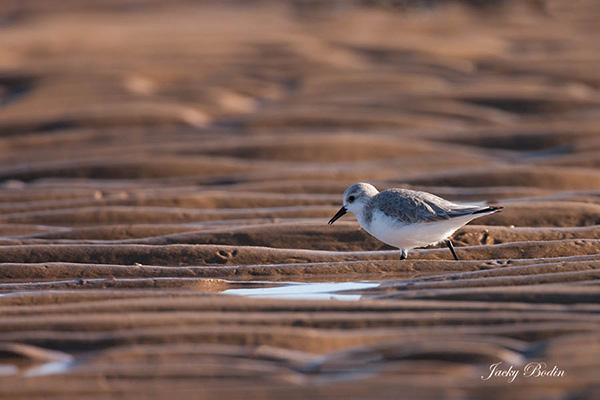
351, 199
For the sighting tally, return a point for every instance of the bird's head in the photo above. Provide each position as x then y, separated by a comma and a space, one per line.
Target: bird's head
355, 199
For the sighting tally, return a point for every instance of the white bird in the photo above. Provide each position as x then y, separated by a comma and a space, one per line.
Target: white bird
408, 219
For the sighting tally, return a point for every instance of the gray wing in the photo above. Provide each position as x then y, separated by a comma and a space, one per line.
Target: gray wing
409, 206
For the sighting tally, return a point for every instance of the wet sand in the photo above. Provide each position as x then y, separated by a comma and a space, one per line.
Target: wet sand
167, 171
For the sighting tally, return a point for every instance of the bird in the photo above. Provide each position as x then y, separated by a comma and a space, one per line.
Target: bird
408, 219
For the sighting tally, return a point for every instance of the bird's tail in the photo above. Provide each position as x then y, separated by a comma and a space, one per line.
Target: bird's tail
489, 210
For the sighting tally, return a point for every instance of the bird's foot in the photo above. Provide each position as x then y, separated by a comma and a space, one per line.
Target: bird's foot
451, 247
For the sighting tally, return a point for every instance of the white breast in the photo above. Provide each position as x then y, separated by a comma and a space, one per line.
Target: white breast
409, 236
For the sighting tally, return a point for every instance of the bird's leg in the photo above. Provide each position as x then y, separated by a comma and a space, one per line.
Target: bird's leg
451, 247
404, 254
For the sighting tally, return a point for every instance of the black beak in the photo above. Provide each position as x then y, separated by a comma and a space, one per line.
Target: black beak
337, 216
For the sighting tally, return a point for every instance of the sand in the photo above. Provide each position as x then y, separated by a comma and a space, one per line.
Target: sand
157, 156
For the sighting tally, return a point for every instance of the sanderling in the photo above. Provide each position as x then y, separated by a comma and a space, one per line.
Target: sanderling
408, 219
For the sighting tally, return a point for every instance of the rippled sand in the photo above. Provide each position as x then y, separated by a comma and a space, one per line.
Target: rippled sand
156, 155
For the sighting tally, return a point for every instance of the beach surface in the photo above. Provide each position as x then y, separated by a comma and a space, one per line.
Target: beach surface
168, 168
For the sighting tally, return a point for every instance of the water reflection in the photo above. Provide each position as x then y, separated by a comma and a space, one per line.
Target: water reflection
307, 291
51, 368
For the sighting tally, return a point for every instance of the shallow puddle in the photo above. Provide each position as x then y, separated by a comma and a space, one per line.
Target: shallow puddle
51, 368
307, 291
